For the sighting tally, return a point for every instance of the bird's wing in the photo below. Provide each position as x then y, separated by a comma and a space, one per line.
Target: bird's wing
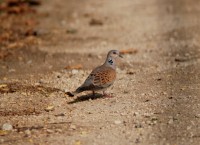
101, 77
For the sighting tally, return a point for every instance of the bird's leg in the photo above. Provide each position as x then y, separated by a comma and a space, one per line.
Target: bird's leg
93, 92
106, 95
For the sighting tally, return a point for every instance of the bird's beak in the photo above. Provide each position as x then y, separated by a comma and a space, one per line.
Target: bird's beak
120, 56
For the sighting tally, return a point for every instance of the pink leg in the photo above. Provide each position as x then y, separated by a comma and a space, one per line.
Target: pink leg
106, 95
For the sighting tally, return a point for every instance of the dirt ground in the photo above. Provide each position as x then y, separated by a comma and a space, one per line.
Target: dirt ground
156, 93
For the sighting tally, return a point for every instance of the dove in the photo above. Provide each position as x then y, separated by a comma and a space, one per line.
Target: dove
101, 77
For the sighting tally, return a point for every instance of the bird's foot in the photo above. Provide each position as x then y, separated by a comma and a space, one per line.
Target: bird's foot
93, 93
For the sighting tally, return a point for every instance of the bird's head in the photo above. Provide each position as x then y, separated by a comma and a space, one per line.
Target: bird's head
114, 54
111, 58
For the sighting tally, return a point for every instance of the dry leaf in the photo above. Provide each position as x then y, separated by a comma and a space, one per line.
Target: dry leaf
78, 66
78, 142
3, 132
15, 45
3, 85
4, 88
49, 108
129, 51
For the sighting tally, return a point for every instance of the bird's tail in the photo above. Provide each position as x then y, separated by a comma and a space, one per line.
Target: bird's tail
72, 94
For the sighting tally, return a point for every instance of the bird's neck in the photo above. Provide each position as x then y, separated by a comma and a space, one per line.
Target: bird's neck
110, 62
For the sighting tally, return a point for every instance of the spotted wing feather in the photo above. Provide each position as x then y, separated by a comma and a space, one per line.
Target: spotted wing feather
100, 78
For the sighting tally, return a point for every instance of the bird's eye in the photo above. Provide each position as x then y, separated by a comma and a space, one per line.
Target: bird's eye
114, 52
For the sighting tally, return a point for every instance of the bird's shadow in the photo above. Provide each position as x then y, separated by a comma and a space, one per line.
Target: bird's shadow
86, 98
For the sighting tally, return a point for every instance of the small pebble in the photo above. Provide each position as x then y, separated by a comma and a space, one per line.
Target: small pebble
131, 72
1, 140
171, 121
37, 84
52, 95
197, 115
29, 62
95, 22
61, 114
49, 131
27, 132
74, 71
164, 93
65, 90
7, 126
41, 81
72, 127
99, 56
138, 126
117, 122
58, 130
126, 92
11, 70
71, 31
189, 127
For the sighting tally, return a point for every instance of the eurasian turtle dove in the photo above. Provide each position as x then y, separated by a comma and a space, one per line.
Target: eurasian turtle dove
101, 77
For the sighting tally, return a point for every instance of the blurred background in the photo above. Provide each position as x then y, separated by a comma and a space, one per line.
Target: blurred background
49, 47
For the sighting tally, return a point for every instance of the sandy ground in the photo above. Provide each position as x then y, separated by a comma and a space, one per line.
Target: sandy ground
156, 94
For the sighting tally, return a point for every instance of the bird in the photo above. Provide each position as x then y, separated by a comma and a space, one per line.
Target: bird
101, 77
